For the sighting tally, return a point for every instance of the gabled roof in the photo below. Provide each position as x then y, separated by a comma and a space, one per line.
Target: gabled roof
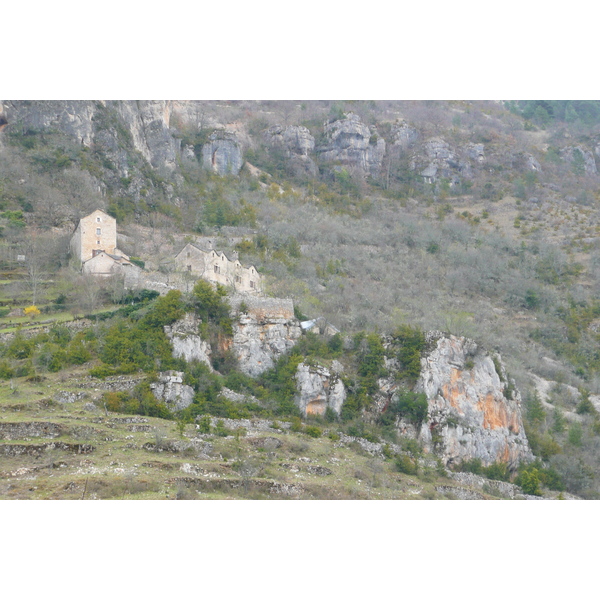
115, 257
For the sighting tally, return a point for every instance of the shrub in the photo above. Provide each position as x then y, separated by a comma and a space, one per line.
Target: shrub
497, 471
405, 464
204, 425
6, 371
313, 431
32, 311
412, 344
221, 430
19, 347
409, 405
585, 407
471, 466
529, 482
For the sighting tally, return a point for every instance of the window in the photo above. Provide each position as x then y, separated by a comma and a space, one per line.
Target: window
252, 284
97, 219
98, 242
189, 267
217, 269
238, 279
98, 231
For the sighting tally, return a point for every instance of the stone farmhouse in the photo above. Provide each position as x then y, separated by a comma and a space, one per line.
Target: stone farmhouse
215, 267
94, 244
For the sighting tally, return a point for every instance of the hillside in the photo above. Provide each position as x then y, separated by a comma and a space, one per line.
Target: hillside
477, 219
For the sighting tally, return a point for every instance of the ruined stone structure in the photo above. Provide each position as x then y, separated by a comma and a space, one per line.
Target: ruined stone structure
215, 267
94, 244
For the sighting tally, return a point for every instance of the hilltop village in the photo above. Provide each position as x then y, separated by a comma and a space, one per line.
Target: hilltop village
94, 245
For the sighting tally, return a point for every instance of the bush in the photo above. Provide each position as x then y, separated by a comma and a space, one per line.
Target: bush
313, 431
529, 482
412, 344
32, 311
411, 406
6, 371
405, 464
19, 347
204, 425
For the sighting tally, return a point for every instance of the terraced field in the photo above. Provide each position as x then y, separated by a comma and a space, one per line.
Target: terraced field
58, 441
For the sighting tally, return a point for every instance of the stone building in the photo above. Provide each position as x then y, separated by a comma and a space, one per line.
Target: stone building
94, 245
215, 267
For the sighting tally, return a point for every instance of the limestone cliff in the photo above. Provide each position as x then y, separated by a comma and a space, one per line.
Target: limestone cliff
319, 388
223, 153
473, 410
147, 123
265, 329
297, 144
187, 344
351, 142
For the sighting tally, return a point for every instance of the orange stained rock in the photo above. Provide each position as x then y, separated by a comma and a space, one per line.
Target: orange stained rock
317, 407
453, 391
496, 414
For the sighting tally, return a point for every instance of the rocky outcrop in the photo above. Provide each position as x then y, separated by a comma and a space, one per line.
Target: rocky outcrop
403, 135
443, 161
294, 139
149, 125
265, 331
297, 143
146, 124
171, 390
74, 117
318, 389
585, 158
351, 142
186, 341
473, 410
223, 153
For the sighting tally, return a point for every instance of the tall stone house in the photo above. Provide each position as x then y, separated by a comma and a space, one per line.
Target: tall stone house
215, 267
94, 245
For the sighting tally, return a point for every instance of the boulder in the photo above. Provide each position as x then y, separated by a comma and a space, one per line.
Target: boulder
171, 390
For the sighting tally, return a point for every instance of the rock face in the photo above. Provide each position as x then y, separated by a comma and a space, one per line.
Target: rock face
223, 153
473, 411
187, 343
90, 122
297, 144
352, 143
149, 124
318, 389
171, 390
264, 332
404, 135
445, 162
585, 157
